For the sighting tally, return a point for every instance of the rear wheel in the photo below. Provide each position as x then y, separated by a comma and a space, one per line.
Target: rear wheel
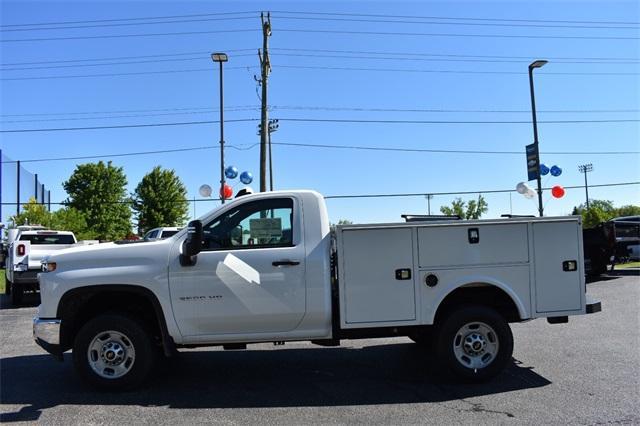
474, 342
114, 352
7, 287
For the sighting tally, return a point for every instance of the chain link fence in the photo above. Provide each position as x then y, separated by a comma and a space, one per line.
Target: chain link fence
17, 187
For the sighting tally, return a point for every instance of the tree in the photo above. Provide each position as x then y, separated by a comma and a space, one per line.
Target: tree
98, 191
601, 211
160, 199
70, 219
32, 214
466, 210
332, 226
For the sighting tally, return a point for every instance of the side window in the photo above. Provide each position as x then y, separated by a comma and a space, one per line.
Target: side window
152, 234
257, 224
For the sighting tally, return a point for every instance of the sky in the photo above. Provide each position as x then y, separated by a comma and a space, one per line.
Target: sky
422, 75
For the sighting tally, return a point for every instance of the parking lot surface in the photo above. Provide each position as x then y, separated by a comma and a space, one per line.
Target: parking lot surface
585, 372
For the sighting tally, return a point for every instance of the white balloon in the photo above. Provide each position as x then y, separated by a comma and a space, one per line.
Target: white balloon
205, 190
530, 193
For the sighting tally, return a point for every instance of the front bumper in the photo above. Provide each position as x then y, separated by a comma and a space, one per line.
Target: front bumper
46, 333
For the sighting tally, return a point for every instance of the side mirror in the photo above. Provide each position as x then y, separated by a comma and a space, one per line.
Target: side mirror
193, 244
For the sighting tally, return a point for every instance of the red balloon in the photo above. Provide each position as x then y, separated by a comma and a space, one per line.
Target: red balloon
226, 191
557, 191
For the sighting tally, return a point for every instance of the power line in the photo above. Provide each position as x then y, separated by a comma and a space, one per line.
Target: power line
448, 151
117, 63
128, 35
394, 195
126, 57
398, 33
247, 147
453, 18
193, 111
126, 126
126, 24
208, 109
56, 77
495, 191
335, 120
129, 19
121, 74
317, 67
530, 57
451, 22
320, 120
439, 59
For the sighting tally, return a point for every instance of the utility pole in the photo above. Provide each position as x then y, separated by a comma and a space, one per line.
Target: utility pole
265, 67
586, 168
429, 197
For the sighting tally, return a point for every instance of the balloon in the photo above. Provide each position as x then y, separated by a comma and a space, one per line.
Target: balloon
226, 192
231, 172
556, 171
544, 170
205, 190
557, 191
530, 193
521, 188
246, 178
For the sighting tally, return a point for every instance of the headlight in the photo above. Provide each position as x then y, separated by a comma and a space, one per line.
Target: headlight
49, 266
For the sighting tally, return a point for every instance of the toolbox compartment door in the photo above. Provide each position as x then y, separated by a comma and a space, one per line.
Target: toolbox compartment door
558, 290
377, 277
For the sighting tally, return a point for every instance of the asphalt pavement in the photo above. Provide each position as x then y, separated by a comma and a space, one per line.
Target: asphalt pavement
586, 372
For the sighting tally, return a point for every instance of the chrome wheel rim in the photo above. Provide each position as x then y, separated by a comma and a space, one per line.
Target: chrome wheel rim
476, 345
111, 354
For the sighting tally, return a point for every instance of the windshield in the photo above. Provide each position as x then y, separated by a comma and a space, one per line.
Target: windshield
48, 239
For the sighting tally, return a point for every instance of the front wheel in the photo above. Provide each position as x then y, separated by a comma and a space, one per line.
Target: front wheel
114, 352
474, 342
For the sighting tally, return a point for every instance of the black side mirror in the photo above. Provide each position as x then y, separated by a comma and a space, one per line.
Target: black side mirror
193, 244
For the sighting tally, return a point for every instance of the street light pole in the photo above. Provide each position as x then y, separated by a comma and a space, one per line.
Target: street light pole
536, 64
586, 168
220, 58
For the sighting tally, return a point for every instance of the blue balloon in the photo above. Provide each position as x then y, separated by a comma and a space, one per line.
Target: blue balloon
231, 172
246, 178
544, 170
556, 171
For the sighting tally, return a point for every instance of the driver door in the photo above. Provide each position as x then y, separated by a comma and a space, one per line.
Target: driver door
250, 275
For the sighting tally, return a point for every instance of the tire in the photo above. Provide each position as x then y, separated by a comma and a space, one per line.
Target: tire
474, 342
114, 352
7, 287
17, 291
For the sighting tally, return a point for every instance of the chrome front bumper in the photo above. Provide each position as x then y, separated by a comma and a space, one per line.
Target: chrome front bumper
46, 331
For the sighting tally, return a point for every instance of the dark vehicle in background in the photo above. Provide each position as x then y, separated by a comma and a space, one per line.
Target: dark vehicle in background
627, 235
611, 242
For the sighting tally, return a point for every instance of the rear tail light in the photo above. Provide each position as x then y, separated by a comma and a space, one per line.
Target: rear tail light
21, 250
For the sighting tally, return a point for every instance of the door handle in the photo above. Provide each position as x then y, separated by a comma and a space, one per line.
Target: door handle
285, 263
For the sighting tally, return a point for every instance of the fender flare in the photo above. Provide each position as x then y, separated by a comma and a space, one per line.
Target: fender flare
484, 281
168, 345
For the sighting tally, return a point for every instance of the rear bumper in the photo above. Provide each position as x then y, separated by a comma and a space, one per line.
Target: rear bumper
27, 277
593, 305
46, 333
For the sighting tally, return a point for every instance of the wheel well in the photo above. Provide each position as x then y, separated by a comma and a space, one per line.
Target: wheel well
78, 307
479, 294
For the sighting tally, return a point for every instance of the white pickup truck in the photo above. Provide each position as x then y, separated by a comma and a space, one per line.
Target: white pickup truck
266, 268
25, 252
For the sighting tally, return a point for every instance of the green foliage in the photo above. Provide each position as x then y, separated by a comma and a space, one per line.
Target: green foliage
160, 200
332, 226
32, 214
98, 191
70, 219
601, 211
466, 210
